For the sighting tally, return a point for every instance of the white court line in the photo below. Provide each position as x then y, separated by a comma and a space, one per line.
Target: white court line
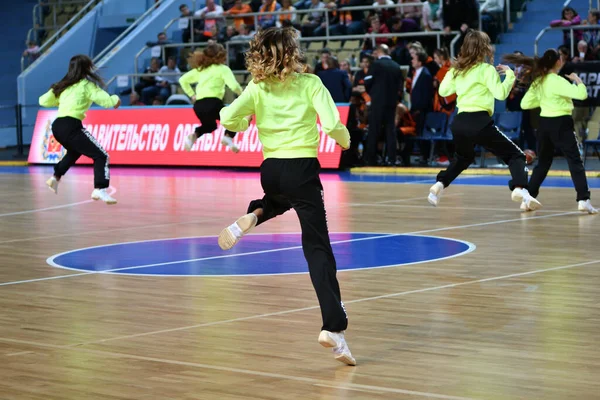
54, 207
444, 207
336, 205
361, 300
285, 248
312, 381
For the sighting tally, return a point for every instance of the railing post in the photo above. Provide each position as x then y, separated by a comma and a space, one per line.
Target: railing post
192, 30
54, 15
439, 40
327, 26
19, 123
572, 42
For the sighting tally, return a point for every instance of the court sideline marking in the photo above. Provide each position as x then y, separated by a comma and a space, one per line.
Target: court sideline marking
361, 300
113, 191
336, 205
281, 376
316, 382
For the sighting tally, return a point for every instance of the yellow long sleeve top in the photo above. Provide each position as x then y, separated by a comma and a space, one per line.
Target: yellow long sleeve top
210, 82
286, 116
554, 95
75, 100
477, 88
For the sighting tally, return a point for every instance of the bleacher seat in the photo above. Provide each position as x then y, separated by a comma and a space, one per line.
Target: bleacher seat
434, 130
178, 99
509, 123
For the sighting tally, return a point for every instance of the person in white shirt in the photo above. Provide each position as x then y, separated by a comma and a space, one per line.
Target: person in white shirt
213, 17
432, 15
163, 82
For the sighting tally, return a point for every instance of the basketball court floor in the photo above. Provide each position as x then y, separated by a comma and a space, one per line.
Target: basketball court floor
470, 300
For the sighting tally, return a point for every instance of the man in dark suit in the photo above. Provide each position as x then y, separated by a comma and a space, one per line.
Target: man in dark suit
385, 84
421, 101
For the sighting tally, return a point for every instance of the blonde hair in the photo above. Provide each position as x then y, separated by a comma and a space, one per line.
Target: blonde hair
476, 49
274, 54
210, 55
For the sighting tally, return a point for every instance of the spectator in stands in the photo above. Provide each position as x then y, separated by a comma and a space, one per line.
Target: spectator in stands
186, 33
384, 13
359, 77
430, 64
513, 103
239, 45
584, 53
460, 15
286, 5
241, 8
491, 10
149, 80
446, 105
268, 20
323, 62
158, 101
163, 40
592, 36
313, 20
378, 27
134, 99
413, 12
32, 52
228, 34
162, 86
228, 4
345, 66
212, 17
357, 123
336, 81
347, 22
384, 84
569, 18
421, 103
432, 16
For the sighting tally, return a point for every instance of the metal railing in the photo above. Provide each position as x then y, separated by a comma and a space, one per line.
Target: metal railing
131, 27
369, 36
255, 15
37, 9
571, 28
49, 42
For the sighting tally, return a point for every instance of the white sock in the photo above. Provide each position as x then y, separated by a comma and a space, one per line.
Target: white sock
236, 230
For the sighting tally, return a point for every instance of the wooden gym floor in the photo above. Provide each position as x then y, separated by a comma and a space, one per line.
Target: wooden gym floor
509, 310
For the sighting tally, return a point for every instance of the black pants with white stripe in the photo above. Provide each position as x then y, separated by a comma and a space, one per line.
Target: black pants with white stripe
295, 183
477, 128
71, 134
559, 132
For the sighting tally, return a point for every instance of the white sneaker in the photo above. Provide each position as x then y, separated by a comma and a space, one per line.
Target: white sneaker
435, 193
227, 141
341, 352
53, 184
522, 196
586, 205
189, 141
234, 232
102, 194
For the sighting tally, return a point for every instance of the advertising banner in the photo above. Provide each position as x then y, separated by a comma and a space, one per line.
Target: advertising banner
155, 136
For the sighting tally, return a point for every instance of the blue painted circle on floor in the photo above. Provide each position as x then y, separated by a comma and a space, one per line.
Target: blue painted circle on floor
264, 254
